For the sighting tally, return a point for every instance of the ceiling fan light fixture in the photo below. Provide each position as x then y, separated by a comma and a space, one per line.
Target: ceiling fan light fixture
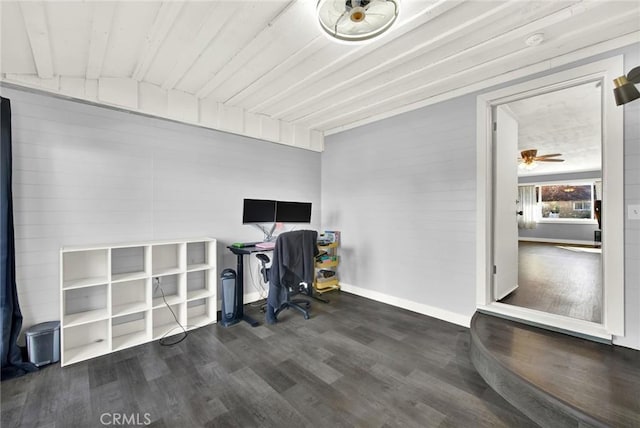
356, 20
528, 166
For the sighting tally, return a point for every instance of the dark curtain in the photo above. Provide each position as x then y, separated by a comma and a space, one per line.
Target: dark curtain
12, 364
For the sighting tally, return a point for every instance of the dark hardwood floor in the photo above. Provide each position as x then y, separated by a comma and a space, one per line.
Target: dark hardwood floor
356, 362
558, 380
558, 281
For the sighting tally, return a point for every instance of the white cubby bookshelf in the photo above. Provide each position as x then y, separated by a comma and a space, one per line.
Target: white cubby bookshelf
111, 296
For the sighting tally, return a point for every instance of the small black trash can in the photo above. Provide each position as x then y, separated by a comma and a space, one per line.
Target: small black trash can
43, 343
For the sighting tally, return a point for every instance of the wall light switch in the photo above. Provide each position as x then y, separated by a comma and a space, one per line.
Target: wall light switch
634, 212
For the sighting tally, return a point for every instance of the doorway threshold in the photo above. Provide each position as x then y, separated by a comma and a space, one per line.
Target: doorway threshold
558, 323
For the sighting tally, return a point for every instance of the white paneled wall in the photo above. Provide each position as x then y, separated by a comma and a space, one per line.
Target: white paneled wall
632, 227
402, 191
88, 175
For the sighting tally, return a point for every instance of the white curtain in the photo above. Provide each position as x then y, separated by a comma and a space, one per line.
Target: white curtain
528, 205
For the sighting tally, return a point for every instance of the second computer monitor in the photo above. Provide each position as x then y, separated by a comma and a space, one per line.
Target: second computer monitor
293, 212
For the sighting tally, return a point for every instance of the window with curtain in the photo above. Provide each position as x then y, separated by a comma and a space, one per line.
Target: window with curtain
528, 204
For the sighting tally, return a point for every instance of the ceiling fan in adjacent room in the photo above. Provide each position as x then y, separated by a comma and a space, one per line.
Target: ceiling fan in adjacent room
529, 158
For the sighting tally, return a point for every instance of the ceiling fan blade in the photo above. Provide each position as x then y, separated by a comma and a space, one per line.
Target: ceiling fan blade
549, 156
550, 160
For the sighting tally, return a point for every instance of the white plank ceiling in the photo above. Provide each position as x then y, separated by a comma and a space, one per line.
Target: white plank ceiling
265, 68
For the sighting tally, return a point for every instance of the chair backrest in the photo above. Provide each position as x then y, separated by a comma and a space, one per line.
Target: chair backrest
294, 258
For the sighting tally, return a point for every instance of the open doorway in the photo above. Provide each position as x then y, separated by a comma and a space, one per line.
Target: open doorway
499, 203
559, 194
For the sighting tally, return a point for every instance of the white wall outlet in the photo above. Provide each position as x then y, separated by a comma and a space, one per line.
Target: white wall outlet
634, 212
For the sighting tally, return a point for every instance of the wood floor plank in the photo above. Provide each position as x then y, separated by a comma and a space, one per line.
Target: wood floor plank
355, 363
555, 279
553, 376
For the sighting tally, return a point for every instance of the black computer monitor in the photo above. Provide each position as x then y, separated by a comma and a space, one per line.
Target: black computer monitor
258, 211
293, 212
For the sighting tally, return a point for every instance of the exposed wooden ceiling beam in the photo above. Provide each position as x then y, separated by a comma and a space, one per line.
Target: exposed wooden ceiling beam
218, 18
166, 17
35, 20
254, 47
100, 29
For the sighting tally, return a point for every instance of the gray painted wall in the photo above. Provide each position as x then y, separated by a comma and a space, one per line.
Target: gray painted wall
562, 231
559, 231
85, 175
402, 191
552, 178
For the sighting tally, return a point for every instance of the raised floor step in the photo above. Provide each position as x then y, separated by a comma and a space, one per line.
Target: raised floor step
555, 379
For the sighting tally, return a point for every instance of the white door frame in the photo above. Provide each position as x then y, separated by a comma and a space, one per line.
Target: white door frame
603, 71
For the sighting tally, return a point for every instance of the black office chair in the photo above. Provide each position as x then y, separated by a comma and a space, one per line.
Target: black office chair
291, 273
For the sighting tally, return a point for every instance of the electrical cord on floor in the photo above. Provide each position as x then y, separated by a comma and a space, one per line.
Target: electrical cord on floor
162, 340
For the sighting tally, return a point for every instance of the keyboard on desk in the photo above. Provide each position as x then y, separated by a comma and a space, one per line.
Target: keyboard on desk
244, 244
266, 245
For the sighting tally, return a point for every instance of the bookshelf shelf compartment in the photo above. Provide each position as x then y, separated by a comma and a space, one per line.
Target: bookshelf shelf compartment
167, 259
129, 296
84, 341
85, 268
200, 284
85, 305
108, 300
129, 340
85, 352
129, 263
130, 330
164, 323
129, 276
199, 294
171, 286
199, 267
200, 256
85, 317
199, 313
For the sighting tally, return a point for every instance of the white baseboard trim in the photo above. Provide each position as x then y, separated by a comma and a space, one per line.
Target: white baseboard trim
557, 241
420, 308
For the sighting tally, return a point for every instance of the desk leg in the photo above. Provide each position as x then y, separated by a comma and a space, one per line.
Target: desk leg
240, 294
